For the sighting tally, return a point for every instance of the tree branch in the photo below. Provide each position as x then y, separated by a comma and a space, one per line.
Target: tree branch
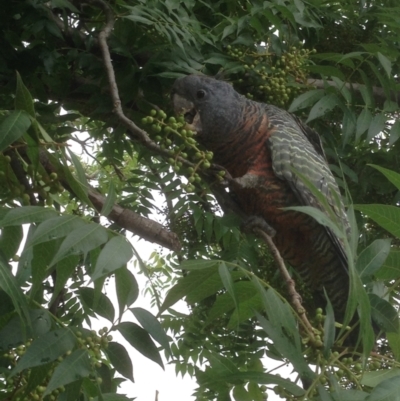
295, 297
146, 228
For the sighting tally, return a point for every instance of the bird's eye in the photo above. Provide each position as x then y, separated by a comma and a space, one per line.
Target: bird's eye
200, 94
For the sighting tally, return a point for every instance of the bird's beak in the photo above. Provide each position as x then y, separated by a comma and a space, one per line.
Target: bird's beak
187, 108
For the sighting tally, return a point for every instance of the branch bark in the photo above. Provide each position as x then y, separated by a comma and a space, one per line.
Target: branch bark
146, 228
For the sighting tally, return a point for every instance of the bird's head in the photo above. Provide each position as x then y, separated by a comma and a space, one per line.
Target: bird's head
210, 107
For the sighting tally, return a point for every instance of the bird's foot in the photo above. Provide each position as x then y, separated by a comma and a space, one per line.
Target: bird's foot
248, 180
257, 222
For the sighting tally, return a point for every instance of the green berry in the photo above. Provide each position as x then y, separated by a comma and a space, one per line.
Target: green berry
153, 112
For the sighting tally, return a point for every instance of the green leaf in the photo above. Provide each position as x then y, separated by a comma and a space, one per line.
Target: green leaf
10, 240
279, 313
42, 255
152, 326
323, 394
349, 124
325, 104
100, 304
387, 390
385, 63
126, 288
366, 90
363, 122
23, 99
45, 349
43, 132
56, 227
78, 188
329, 327
37, 376
138, 18
386, 216
74, 367
13, 127
341, 86
120, 359
14, 333
240, 394
116, 253
248, 301
112, 397
110, 200
394, 343
384, 314
390, 270
65, 269
394, 133
372, 258
198, 264
221, 365
306, 99
64, 4
392, 176
372, 379
197, 285
81, 240
255, 392
327, 71
9, 285
80, 172
319, 216
260, 378
140, 340
26, 215
227, 281
286, 348
376, 126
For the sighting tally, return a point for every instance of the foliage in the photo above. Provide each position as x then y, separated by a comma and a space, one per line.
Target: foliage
64, 216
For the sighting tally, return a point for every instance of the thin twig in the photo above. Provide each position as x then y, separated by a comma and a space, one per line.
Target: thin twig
295, 297
138, 133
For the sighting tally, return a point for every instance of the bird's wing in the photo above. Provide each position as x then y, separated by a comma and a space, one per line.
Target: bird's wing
295, 148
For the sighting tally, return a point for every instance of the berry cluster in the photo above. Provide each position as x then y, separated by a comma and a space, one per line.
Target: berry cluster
42, 184
269, 78
171, 133
20, 384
